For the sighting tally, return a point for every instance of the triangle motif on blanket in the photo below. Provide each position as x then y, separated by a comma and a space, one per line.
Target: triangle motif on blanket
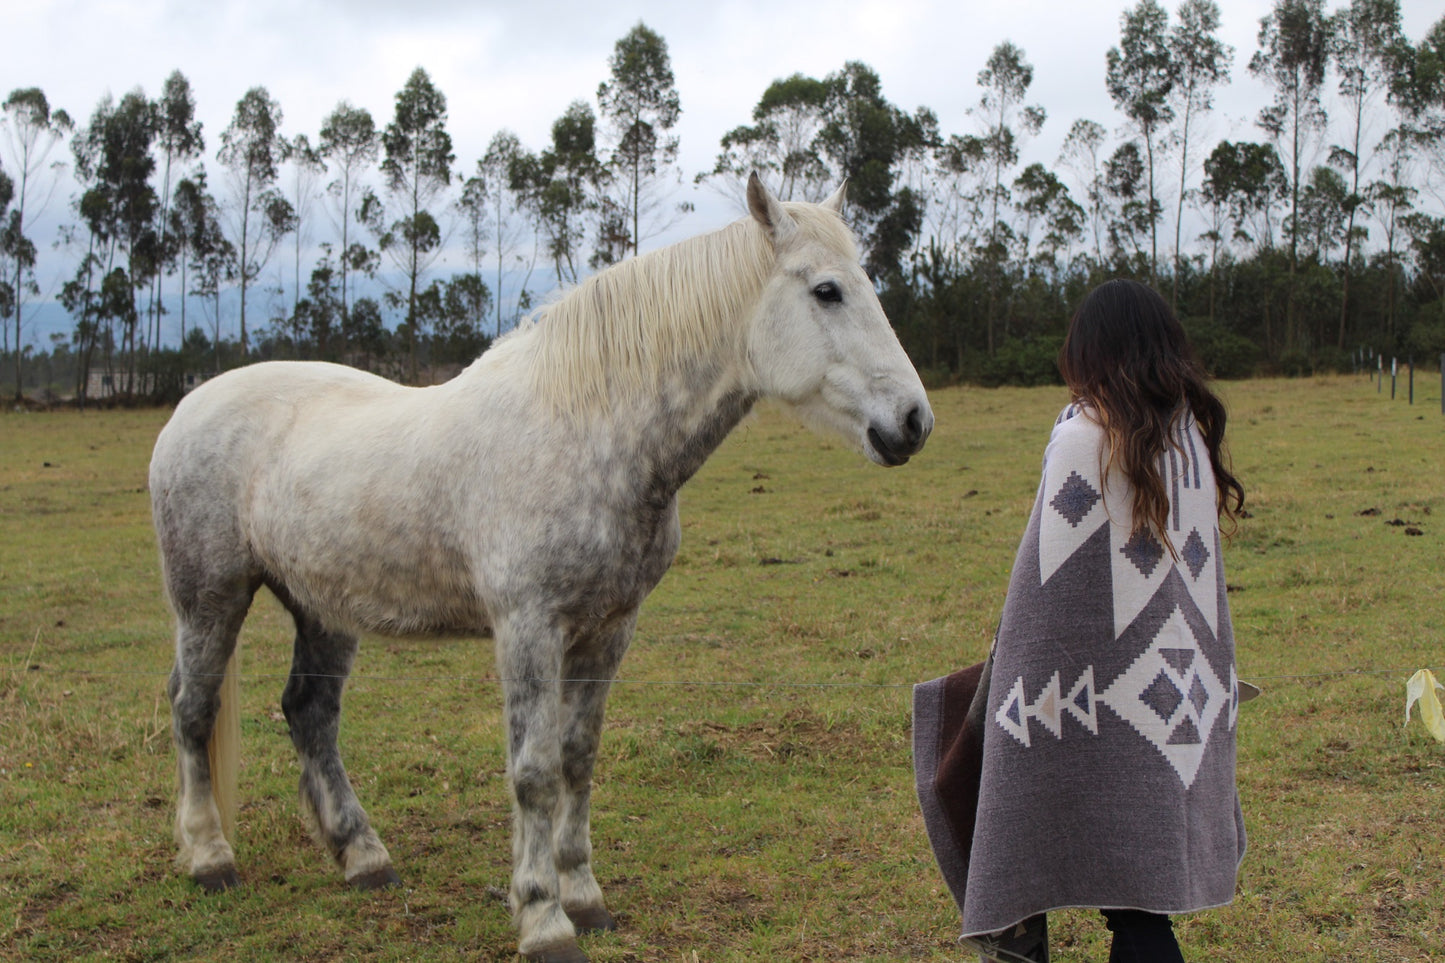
1049, 708
1171, 695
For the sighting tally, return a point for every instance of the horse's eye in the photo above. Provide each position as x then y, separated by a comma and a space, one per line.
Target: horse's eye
828, 292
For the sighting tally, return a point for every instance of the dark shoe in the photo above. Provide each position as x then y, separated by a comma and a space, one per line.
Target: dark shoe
1028, 942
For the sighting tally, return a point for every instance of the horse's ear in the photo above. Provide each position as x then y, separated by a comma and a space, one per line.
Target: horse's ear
835, 202
768, 211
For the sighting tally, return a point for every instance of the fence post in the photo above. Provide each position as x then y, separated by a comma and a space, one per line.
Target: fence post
1379, 373
1394, 372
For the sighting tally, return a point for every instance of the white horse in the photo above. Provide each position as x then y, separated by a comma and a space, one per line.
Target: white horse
533, 497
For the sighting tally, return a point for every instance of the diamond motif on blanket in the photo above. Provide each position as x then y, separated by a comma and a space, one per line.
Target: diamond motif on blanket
1163, 696
1170, 699
1198, 695
1075, 499
1144, 550
1195, 555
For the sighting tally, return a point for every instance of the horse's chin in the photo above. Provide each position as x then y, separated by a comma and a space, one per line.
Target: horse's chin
879, 452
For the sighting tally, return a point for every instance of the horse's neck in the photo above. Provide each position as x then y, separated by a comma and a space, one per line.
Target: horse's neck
674, 440
669, 409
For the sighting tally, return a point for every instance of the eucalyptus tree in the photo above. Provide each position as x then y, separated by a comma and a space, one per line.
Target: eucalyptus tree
317, 316
559, 186
1390, 200
451, 308
640, 105
493, 217
1294, 43
1050, 215
305, 167
1250, 180
491, 190
7, 194
474, 212
216, 263
956, 221
257, 215
1365, 42
127, 163
1081, 153
781, 145
1131, 215
1324, 213
1427, 242
31, 131
1417, 90
1005, 80
350, 145
1141, 76
417, 167
80, 294
114, 163
1213, 196
1200, 62
179, 141
868, 141
193, 224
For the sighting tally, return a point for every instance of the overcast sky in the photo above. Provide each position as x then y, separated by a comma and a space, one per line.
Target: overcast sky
518, 64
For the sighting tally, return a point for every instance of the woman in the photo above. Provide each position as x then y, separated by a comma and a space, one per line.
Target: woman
1106, 762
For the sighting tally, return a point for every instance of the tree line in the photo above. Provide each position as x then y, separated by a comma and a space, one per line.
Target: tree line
1288, 252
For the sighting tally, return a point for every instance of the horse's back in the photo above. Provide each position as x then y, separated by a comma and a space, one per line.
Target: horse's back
256, 404
206, 457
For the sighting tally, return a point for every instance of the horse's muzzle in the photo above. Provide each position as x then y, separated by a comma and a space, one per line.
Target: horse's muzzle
895, 445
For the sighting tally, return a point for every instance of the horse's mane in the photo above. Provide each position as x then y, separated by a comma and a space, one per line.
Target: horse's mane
623, 328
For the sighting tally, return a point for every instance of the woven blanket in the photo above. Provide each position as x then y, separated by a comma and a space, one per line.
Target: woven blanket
1096, 766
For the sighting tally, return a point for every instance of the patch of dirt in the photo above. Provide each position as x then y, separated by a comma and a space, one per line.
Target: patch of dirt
797, 732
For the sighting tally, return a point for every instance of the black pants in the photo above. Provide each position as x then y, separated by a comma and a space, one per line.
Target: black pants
1141, 937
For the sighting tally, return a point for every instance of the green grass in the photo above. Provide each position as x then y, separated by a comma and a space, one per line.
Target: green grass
743, 811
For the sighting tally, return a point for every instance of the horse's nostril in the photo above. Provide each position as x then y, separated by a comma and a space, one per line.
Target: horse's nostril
914, 424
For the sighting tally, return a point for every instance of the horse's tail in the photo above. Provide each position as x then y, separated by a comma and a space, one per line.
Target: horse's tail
224, 749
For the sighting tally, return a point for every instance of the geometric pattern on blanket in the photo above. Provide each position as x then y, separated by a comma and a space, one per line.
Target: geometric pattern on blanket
1172, 697
1169, 693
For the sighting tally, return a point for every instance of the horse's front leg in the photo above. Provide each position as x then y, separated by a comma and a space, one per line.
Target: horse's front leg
529, 659
587, 673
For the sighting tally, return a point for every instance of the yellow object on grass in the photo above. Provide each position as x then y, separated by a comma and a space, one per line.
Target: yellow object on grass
1421, 688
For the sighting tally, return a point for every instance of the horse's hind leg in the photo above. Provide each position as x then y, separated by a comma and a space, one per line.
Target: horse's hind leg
207, 625
587, 673
320, 664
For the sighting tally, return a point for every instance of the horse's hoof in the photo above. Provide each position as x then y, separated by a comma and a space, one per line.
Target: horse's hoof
592, 919
218, 880
563, 951
383, 878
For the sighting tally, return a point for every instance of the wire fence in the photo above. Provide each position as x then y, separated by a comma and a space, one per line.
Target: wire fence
362, 678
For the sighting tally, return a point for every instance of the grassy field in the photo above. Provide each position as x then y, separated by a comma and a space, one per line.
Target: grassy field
754, 797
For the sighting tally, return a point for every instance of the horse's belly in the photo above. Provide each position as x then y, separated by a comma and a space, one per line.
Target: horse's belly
373, 581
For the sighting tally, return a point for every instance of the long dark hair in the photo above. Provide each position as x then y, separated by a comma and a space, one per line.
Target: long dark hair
1127, 357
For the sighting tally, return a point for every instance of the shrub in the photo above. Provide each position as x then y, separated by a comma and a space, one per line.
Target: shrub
1223, 353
